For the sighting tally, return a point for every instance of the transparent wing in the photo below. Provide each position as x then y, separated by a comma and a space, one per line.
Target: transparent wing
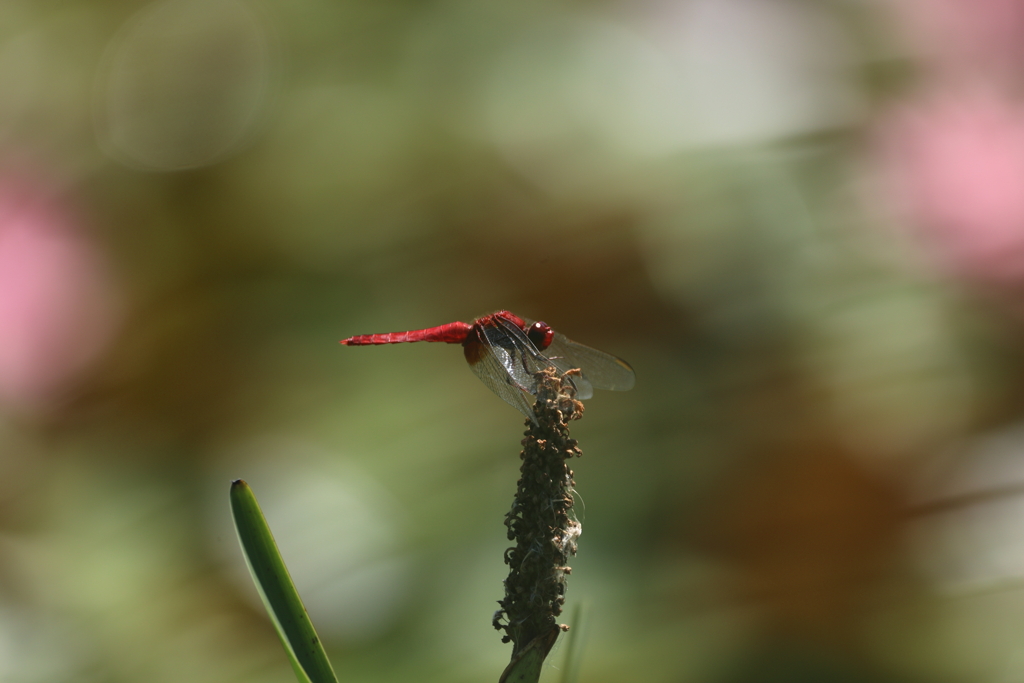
522, 359
504, 359
531, 361
491, 367
600, 370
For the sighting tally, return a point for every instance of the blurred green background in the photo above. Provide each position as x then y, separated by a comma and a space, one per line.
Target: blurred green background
801, 221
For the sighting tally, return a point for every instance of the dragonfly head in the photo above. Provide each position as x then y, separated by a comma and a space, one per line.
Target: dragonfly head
541, 334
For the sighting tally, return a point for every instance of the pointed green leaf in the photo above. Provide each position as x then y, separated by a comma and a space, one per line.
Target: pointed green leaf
277, 590
526, 666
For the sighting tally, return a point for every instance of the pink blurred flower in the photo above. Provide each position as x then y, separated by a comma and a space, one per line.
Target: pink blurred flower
58, 306
955, 163
972, 39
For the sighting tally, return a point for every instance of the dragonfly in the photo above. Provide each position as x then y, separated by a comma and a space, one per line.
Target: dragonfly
505, 351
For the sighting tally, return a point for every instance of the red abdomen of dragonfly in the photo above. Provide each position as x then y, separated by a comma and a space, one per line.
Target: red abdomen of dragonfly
452, 333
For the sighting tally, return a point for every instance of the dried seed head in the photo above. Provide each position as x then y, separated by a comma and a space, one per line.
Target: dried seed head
540, 520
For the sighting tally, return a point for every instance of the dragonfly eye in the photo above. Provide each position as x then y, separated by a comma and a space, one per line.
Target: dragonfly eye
540, 334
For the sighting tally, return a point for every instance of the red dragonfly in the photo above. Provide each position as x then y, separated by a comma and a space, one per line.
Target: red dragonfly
505, 351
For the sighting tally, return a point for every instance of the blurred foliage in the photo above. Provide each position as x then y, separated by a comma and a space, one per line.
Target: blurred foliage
693, 186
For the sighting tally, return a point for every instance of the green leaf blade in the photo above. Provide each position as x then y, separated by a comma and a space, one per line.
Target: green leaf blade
275, 587
526, 666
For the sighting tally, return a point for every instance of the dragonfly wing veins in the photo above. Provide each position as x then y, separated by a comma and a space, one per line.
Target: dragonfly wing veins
493, 373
